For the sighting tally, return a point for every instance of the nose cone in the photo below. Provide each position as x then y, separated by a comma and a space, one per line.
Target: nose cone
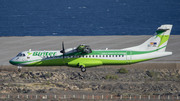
13, 61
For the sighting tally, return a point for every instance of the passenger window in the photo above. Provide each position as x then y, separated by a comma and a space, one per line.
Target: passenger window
122, 55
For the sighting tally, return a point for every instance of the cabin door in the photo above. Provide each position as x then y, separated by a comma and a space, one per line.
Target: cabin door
128, 57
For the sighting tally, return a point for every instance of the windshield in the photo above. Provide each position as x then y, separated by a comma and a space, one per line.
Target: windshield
21, 55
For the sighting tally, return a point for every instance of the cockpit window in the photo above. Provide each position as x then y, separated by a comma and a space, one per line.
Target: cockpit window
21, 55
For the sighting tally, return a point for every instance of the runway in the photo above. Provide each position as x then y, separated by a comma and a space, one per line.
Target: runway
11, 46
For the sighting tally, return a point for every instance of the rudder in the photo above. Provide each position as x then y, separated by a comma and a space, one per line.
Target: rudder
163, 33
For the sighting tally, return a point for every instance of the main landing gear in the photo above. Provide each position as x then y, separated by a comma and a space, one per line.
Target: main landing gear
83, 69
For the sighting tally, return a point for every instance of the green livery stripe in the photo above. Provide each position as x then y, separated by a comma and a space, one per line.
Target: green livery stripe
88, 62
22, 62
163, 38
159, 32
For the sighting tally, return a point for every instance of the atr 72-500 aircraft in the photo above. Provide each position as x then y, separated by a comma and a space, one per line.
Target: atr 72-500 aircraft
83, 57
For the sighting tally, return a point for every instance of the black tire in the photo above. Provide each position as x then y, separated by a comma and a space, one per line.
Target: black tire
19, 70
83, 69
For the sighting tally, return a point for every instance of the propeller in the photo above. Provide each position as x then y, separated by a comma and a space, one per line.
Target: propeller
63, 51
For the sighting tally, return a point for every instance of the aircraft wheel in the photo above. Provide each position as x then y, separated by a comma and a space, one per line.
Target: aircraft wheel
83, 69
19, 70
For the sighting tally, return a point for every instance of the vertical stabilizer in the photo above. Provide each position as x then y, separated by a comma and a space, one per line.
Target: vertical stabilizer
157, 42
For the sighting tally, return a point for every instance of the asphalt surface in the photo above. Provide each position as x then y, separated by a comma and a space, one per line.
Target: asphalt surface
11, 46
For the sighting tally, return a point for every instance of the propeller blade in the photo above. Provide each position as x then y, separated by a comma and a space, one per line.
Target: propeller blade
63, 51
63, 46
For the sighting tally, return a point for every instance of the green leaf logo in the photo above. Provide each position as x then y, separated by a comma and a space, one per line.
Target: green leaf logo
29, 53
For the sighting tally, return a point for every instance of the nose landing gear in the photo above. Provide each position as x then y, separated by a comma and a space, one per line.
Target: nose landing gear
19, 68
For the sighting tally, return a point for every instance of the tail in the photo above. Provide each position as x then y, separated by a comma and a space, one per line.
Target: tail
157, 42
